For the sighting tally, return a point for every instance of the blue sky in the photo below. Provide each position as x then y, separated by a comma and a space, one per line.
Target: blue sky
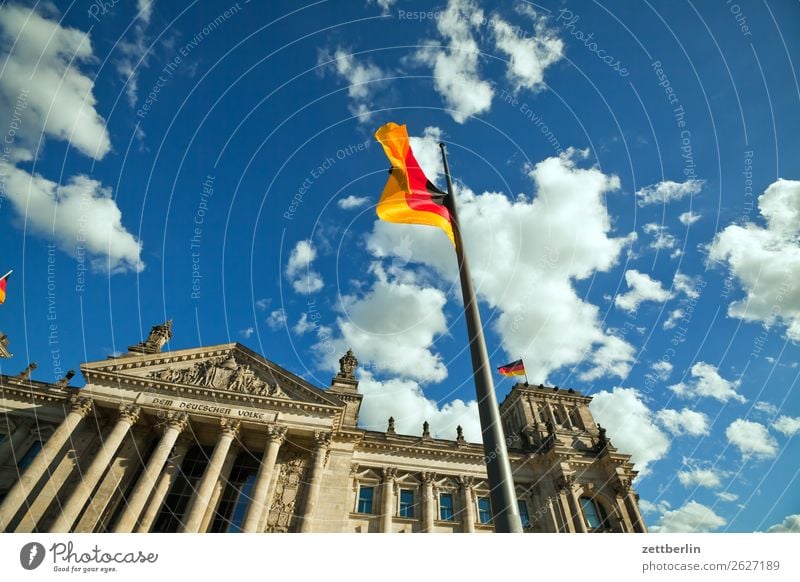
627, 180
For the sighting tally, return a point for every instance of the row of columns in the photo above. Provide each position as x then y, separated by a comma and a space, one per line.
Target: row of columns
160, 473
429, 501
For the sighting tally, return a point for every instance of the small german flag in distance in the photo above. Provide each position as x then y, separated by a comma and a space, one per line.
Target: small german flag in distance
516, 368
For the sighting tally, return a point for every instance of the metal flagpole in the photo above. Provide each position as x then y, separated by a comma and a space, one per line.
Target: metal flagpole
501, 482
6, 275
526, 371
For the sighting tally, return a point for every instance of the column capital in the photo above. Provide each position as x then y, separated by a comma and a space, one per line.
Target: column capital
129, 413
389, 474
176, 420
276, 433
80, 404
322, 440
230, 427
567, 483
466, 481
428, 476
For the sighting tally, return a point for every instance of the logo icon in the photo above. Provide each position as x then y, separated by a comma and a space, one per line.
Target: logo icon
31, 555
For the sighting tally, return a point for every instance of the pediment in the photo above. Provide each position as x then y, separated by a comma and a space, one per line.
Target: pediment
226, 368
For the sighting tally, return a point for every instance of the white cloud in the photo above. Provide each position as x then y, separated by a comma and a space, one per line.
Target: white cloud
303, 325
304, 279
81, 216
384, 5
525, 256
362, 79
766, 407
351, 202
787, 425
135, 52
648, 507
631, 426
701, 477
641, 288
43, 68
405, 401
276, 319
455, 65
707, 382
393, 326
674, 317
687, 285
692, 517
726, 496
43, 93
689, 218
662, 369
790, 524
662, 239
752, 439
668, 191
247, 333
766, 261
263, 303
528, 56
686, 421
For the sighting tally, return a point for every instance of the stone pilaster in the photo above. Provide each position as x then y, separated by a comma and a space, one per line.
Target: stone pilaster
387, 498
128, 415
174, 425
321, 443
429, 502
468, 504
200, 502
258, 506
576, 511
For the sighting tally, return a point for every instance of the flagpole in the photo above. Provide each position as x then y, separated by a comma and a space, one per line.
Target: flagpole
501, 481
526, 371
6, 275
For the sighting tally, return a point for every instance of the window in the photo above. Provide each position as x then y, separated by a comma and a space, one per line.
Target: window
523, 513
365, 497
594, 513
446, 506
484, 510
28, 457
406, 503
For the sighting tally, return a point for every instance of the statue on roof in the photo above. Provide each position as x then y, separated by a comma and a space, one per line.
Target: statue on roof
159, 335
347, 366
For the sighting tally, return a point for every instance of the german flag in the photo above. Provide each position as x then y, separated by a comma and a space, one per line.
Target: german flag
409, 197
516, 368
3, 281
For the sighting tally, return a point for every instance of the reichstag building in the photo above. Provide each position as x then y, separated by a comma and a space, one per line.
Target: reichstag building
220, 439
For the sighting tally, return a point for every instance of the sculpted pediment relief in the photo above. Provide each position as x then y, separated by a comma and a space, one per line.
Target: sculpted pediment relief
222, 373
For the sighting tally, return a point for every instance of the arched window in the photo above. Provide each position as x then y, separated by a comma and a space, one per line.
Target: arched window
594, 514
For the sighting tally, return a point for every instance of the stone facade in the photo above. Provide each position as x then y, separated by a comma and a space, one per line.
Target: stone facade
221, 439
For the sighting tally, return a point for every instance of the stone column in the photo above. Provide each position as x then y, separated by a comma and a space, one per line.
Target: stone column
255, 511
128, 415
575, 505
468, 509
164, 484
567, 417
78, 409
322, 442
633, 510
626, 525
387, 499
173, 427
429, 502
219, 488
10, 448
199, 503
